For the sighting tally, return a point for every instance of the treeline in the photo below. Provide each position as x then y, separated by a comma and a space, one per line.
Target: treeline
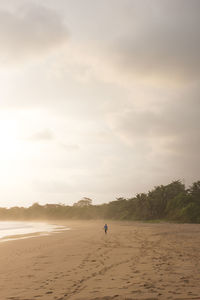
172, 202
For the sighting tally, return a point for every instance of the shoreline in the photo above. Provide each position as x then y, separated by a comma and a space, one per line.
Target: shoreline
133, 261
14, 230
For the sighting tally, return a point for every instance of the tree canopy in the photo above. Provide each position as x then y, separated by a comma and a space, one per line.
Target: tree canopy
171, 202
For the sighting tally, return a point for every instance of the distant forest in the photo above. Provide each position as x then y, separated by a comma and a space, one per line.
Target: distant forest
172, 202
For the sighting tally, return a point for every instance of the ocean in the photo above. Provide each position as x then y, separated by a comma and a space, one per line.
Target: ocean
20, 230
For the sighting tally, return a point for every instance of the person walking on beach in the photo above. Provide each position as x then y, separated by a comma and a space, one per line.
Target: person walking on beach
106, 228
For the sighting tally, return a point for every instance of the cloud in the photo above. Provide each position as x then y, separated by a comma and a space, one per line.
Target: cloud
168, 137
52, 186
44, 135
30, 31
113, 132
163, 41
178, 118
69, 147
155, 41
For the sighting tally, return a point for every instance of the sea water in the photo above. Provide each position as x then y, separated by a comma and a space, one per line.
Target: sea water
18, 230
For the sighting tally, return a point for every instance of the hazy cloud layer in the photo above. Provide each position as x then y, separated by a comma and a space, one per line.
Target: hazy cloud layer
30, 31
57, 187
112, 112
170, 134
163, 42
44, 135
154, 40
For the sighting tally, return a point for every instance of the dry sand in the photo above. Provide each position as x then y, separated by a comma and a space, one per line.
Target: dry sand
134, 261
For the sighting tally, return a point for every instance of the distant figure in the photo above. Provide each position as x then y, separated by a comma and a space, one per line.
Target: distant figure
106, 228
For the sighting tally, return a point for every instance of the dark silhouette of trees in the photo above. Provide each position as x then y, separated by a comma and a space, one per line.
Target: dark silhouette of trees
165, 202
84, 202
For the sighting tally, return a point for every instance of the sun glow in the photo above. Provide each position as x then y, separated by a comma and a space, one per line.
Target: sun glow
10, 143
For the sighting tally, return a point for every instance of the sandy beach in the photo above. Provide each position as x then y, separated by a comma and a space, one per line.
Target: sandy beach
133, 261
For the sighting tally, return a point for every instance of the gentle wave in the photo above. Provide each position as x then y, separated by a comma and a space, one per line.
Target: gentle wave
18, 230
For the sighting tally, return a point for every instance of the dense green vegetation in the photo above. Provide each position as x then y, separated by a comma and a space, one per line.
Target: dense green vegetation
170, 202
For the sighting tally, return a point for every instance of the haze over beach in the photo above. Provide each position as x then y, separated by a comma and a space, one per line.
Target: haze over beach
98, 98
99, 154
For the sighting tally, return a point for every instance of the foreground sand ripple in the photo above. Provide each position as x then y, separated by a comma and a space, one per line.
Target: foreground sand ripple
134, 261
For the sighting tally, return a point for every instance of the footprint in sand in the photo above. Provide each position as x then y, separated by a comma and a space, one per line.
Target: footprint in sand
49, 292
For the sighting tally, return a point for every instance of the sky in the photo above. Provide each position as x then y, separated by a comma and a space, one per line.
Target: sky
98, 99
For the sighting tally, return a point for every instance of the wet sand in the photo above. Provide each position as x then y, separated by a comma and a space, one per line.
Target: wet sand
133, 261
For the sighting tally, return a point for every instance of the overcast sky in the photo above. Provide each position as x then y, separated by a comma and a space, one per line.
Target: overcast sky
98, 98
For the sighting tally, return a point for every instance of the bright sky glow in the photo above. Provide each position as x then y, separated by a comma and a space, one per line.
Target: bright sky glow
97, 99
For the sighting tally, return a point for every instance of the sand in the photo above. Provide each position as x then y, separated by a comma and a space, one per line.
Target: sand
133, 261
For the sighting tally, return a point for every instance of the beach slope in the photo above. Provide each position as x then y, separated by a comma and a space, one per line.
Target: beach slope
133, 261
